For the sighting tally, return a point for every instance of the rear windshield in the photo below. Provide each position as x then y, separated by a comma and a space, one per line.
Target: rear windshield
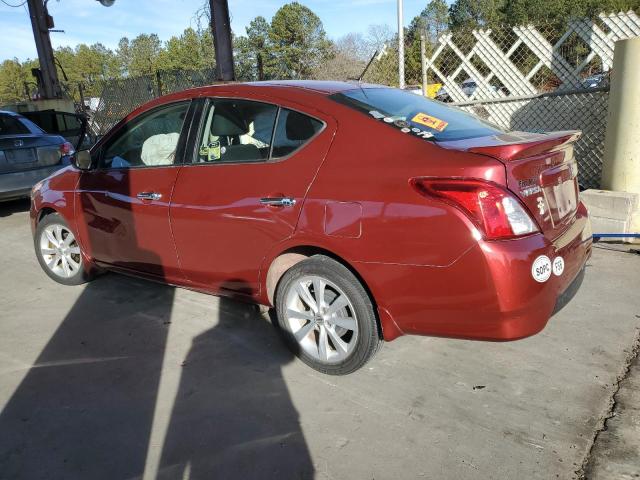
416, 114
10, 125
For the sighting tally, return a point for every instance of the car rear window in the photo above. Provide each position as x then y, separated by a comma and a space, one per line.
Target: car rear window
10, 125
416, 114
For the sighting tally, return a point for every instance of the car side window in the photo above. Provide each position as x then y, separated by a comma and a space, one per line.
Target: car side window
294, 129
148, 141
236, 131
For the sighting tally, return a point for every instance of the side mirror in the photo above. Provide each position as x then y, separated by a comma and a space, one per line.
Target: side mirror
83, 160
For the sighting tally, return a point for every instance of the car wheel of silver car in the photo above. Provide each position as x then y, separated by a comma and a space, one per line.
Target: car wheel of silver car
58, 251
327, 317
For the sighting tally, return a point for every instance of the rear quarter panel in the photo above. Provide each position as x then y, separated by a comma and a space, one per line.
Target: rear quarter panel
366, 174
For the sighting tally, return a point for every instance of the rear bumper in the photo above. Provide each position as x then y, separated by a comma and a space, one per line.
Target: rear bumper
487, 294
18, 184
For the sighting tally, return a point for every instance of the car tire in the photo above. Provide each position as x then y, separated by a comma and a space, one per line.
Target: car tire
58, 252
338, 334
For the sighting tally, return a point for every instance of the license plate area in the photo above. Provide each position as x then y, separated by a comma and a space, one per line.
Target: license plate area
19, 156
560, 191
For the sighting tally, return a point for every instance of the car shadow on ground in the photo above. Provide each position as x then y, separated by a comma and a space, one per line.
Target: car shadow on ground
233, 416
14, 206
86, 407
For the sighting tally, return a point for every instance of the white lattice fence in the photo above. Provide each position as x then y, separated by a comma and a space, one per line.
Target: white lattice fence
537, 78
527, 59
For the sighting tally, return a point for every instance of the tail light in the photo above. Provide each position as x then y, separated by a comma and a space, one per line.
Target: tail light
493, 209
67, 149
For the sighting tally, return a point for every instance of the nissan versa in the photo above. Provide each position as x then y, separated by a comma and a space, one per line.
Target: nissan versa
361, 213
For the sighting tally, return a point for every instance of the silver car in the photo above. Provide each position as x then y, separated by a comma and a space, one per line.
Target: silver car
27, 155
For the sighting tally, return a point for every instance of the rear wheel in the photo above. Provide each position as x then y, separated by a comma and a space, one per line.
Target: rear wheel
327, 316
58, 251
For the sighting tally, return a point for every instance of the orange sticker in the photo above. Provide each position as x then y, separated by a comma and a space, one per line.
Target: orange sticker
429, 121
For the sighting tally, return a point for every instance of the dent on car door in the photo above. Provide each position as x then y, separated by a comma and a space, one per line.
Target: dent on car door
244, 188
123, 206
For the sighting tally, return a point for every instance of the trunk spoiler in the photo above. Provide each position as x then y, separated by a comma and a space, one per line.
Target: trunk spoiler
517, 145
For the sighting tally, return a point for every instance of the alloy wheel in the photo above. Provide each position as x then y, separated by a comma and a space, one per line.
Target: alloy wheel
60, 251
321, 318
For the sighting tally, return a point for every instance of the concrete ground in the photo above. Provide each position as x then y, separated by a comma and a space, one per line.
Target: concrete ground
123, 379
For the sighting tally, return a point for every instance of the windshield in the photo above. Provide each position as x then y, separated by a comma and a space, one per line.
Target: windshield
416, 114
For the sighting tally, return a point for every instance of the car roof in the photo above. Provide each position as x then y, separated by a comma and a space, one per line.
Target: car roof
324, 87
10, 113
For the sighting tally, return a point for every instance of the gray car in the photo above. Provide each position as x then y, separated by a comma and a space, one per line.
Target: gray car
27, 155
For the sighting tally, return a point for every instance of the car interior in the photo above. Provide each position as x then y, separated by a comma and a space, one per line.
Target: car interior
293, 130
237, 131
150, 142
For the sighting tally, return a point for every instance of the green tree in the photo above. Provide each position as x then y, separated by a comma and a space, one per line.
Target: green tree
123, 56
190, 51
258, 43
145, 53
298, 42
474, 13
139, 56
432, 21
12, 79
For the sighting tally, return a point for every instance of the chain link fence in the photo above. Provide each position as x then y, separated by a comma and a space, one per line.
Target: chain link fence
545, 77
120, 97
584, 110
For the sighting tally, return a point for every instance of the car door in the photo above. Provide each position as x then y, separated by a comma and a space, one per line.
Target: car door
123, 204
244, 188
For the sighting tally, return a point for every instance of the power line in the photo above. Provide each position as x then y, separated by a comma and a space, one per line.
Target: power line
13, 6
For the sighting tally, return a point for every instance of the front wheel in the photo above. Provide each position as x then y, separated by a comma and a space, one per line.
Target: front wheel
326, 316
58, 251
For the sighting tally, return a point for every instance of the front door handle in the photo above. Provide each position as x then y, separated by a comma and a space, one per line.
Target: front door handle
278, 201
149, 196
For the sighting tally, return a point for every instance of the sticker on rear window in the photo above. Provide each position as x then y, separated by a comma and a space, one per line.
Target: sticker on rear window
541, 269
429, 121
403, 125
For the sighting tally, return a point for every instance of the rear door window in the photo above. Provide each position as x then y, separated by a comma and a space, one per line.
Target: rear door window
294, 129
416, 114
10, 125
236, 131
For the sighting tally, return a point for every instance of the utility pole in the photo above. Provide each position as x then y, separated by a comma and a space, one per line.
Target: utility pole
423, 65
400, 46
221, 29
41, 22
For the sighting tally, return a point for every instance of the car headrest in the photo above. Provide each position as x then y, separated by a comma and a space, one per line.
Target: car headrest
228, 121
299, 127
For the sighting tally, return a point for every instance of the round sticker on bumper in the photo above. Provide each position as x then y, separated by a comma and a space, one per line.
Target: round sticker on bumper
541, 269
558, 266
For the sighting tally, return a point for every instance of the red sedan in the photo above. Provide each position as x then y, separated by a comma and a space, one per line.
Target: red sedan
361, 213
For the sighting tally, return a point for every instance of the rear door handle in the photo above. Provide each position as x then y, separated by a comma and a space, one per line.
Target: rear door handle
278, 201
149, 196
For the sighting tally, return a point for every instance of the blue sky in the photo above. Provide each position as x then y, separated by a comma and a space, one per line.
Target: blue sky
86, 21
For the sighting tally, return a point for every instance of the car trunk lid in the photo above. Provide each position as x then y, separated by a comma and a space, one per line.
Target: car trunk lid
24, 152
541, 171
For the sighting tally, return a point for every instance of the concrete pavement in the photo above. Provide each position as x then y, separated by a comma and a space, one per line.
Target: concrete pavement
123, 379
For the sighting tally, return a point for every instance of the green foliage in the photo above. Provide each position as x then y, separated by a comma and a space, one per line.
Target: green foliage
91, 65
189, 51
474, 13
293, 45
432, 21
298, 42
13, 76
487, 13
